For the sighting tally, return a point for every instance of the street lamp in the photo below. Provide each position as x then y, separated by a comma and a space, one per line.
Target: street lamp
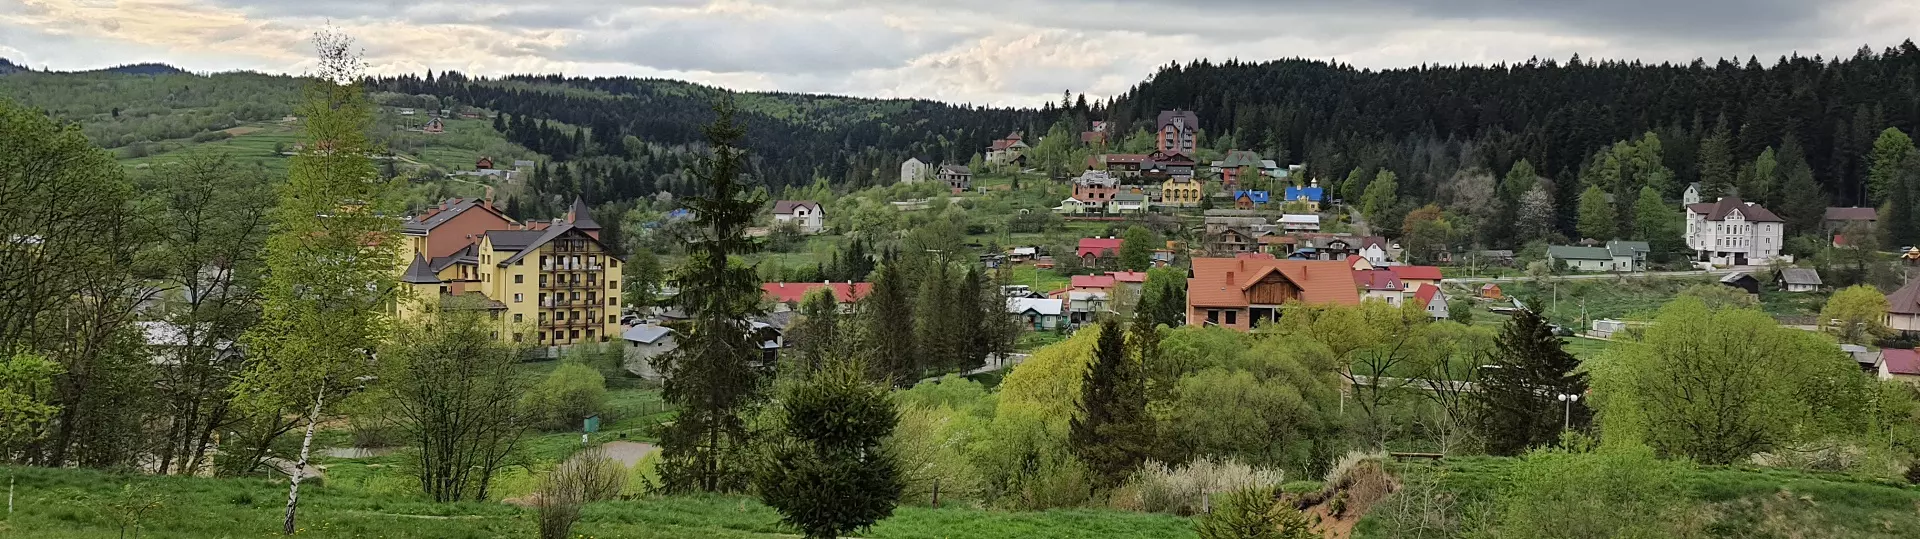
1567, 421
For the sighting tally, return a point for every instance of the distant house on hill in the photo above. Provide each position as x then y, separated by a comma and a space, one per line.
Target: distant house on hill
913, 170
789, 295
805, 214
1310, 195
1742, 280
1305, 222
1248, 200
1837, 219
435, 127
1095, 250
1008, 151
1798, 279
957, 177
484, 163
1095, 187
1245, 293
1178, 132
1229, 168
1732, 232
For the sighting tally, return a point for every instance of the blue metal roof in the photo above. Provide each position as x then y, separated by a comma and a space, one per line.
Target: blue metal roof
1259, 197
1310, 193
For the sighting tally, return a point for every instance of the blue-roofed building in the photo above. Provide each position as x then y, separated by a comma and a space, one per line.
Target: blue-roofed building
1246, 200
1312, 195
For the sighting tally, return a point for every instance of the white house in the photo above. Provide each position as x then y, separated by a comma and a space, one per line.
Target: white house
1037, 313
1127, 203
805, 213
1300, 222
645, 342
1433, 299
914, 171
1376, 251
1074, 206
1084, 305
1732, 232
1798, 279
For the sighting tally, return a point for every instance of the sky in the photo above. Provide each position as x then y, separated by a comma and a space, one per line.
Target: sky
1003, 53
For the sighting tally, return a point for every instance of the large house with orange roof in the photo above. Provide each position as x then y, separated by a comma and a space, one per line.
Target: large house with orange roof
1243, 293
789, 295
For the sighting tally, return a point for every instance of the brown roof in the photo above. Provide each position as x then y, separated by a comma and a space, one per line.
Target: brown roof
1906, 300
1167, 116
1852, 214
1718, 211
1223, 282
1124, 158
784, 207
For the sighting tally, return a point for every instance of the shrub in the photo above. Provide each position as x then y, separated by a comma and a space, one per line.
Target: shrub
587, 477
1617, 492
571, 393
1253, 513
1159, 488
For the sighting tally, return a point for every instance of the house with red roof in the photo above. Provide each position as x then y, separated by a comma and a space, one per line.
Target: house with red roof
1095, 250
1243, 293
1431, 298
1732, 232
789, 295
1379, 284
1900, 364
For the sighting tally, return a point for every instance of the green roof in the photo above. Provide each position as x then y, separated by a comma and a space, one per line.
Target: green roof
1575, 252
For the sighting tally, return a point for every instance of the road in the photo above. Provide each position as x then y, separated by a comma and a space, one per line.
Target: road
1587, 276
993, 364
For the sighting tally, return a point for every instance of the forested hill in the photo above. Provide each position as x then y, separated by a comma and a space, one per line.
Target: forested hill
794, 138
1424, 122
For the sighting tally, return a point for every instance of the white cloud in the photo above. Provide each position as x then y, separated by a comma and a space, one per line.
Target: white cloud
986, 53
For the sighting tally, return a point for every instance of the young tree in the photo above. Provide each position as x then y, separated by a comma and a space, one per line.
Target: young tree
1856, 315
713, 376
1597, 220
828, 472
817, 335
1382, 193
1112, 434
1803, 201
1761, 182
1425, 233
331, 278
1136, 249
1460, 310
1520, 180
1163, 298
26, 388
1535, 216
586, 477
1659, 224
1890, 153
453, 390
1517, 404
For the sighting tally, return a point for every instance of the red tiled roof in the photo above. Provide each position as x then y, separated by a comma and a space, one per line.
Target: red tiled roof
1852, 214
1718, 211
1901, 361
794, 292
1276, 238
1092, 281
1223, 282
1425, 294
1129, 276
1376, 280
1254, 256
1095, 246
1422, 273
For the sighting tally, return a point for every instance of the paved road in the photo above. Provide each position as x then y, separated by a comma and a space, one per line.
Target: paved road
993, 364
1588, 276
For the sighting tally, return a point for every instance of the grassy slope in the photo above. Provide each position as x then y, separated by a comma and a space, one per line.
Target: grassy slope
60, 504
1740, 502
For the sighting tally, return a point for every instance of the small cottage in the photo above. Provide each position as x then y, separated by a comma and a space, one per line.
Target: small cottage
1798, 280
1742, 280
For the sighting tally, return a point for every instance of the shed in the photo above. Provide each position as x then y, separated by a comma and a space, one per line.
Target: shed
1491, 291
1742, 280
1798, 280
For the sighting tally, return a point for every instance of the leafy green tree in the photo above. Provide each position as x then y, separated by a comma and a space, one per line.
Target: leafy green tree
713, 376
1136, 248
1353, 189
1534, 218
1856, 314
453, 390
1719, 296
1761, 182
1890, 153
1720, 385
1899, 218
571, 393
330, 259
1163, 298
1112, 434
1716, 163
26, 383
1660, 224
1596, 215
1425, 233
642, 277
1520, 180
1382, 193
1517, 405
827, 472
1460, 310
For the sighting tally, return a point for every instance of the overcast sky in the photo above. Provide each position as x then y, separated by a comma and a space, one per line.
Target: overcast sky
1003, 53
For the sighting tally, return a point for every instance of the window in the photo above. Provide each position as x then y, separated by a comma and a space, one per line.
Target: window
540, 336
520, 262
1233, 317
576, 333
1213, 316
543, 280
613, 319
613, 285
543, 318
519, 298
516, 336
591, 298
559, 335
443, 289
517, 318
494, 315
517, 279
613, 302
496, 335
576, 296
612, 263
589, 333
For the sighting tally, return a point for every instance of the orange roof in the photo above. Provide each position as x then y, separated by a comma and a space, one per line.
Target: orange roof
794, 292
1420, 273
1092, 281
1223, 282
1129, 276
1276, 238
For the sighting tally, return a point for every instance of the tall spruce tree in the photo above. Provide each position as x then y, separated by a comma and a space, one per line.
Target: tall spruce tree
1517, 405
1716, 162
887, 314
1803, 203
712, 377
1112, 433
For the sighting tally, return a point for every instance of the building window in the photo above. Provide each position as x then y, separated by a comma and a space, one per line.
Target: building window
443, 289
543, 318
494, 315
496, 335
520, 262
519, 298
517, 318
516, 336
559, 335
540, 336
613, 302
1233, 317
1213, 317
613, 285
613, 263
589, 333
576, 333
517, 279
591, 298
543, 280
613, 319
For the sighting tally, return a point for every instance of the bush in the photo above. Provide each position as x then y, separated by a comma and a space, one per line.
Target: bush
1159, 488
570, 394
1254, 513
587, 477
1617, 492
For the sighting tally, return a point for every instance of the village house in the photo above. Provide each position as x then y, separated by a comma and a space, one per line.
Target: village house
1228, 169
1022, 254
1903, 308
804, 214
1291, 222
1095, 135
957, 177
644, 343
1074, 206
1732, 232
1244, 293
1744, 281
1324, 246
1008, 151
1412, 276
434, 127
1278, 245
787, 296
1434, 300
1178, 132
1491, 291
913, 170
1616, 256
1797, 280
483, 163
1310, 195
1232, 241
1095, 188
1038, 314
1900, 364
1162, 258
1379, 284
1086, 305
1095, 251
1127, 203
1181, 191
1125, 165
1162, 165
1376, 250
1837, 219
1248, 200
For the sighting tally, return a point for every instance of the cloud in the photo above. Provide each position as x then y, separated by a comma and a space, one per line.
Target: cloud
1020, 53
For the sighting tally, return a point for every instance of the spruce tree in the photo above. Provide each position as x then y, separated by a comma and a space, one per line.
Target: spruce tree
887, 315
1716, 163
1804, 204
828, 472
1517, 405
1112, 433
713, 377
816, 336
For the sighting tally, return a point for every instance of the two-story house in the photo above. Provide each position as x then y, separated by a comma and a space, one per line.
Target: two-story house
1095, 188
957, 177
1093, 251
1181, 191
1309, 195
1732, 232
913, 170
804, 214
1229, 168
1244, 293
1008, 151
